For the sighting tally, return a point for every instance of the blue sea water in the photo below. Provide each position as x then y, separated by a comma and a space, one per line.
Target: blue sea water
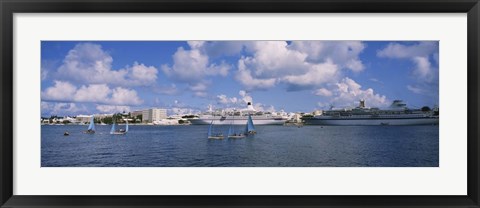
272, 146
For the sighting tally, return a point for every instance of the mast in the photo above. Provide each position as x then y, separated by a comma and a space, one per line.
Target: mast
210, 129
250, 126
231, 130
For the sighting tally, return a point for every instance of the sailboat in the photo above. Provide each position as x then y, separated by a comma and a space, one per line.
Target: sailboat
91, 127
250, 129
214, 136
120, 131
231, 132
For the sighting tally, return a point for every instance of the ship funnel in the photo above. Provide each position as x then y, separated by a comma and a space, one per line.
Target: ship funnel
362, 104
250, 106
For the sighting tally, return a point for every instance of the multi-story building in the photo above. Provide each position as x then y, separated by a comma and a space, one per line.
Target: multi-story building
134, 114
154, 114
83, 119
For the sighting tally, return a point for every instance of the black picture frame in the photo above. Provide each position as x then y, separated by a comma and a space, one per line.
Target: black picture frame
10, 7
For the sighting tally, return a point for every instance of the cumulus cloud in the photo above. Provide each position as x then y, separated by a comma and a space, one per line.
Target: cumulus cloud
347, 92
263, 107
61, 108
223, 99
419, 54
244, 76
299, 65
88, 63
112, 108
183, 111
424, 55
245, 97
423, 69
94, 93
61, 91
219, 48
343, 53
397, 50
122, 96
193, 66
317, 75
235, 102
323, 92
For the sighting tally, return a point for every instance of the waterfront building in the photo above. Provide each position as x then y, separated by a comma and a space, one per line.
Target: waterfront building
154, 114
134, 114
82, 119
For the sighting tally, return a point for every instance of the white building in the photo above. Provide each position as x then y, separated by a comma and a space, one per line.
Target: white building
83, 119
154, 114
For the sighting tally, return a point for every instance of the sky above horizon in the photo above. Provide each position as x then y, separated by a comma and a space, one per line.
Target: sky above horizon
90, 77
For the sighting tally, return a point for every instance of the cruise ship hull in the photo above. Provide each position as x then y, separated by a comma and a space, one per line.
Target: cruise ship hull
372, 122
240, 121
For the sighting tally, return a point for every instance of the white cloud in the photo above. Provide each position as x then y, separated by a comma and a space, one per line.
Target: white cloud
343, 53
423, 70
347, 92
245, 96
191, 66
323, 92
182, 111
141, 75
61, 91
88, 63
262, 107
123, 96
416, 90
397, 50
94, 93
317, 75
235, 102
244, 76
421, 54
274, 59
62, 108
223, 99
376, 80
300, 65
201, 86
112, 108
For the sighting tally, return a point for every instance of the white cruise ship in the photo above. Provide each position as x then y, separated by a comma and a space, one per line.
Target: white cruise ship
398, 114
239, 117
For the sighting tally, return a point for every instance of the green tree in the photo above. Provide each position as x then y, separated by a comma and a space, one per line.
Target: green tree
426, 109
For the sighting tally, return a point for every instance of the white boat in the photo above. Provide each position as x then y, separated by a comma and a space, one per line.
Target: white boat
234, 135
114, 131
212, 135
398, 114
91, 127
239, 117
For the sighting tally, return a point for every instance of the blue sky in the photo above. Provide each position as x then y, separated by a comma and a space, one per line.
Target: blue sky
80, 77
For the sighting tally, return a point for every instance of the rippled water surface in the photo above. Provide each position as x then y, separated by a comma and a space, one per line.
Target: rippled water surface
272, 146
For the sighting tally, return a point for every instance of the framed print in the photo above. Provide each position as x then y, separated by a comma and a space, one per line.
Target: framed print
246, 104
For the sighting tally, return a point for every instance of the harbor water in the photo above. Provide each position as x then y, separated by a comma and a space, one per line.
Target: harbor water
272, 146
